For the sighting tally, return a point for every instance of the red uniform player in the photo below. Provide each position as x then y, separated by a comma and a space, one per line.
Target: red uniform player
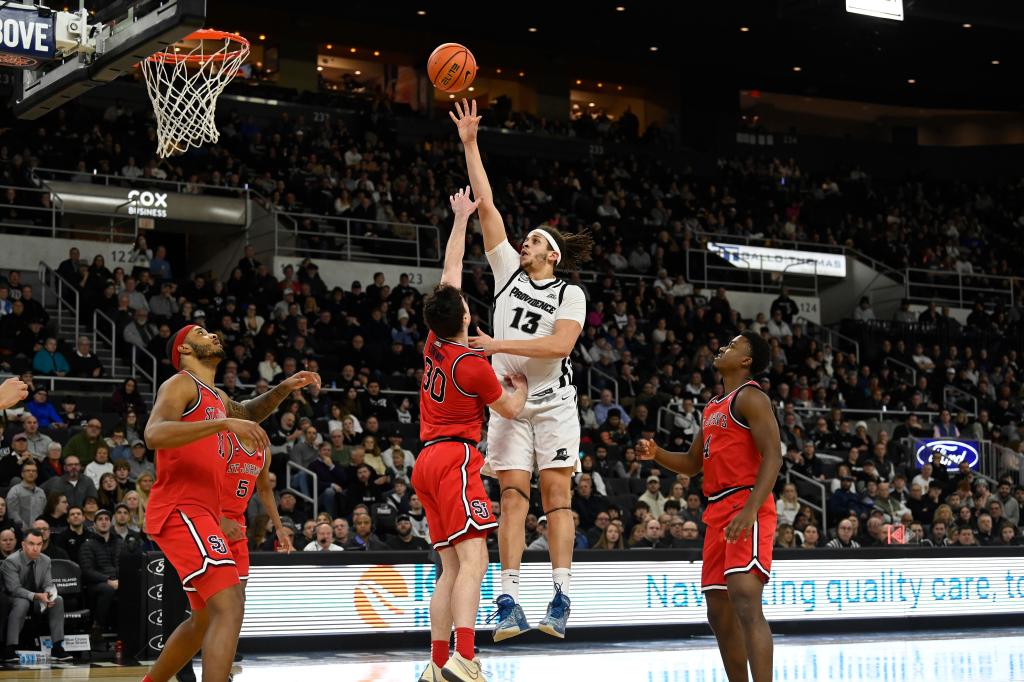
458, 383
192, 427
738, 449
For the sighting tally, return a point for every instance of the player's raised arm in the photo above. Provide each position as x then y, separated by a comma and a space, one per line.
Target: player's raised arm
490, 217
689, 463
259, 408
509, 405
462, 207
756, 409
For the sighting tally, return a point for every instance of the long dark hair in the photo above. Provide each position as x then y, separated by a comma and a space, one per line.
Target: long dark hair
576, 248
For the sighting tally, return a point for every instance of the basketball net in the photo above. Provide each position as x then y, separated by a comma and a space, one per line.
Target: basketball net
184, 81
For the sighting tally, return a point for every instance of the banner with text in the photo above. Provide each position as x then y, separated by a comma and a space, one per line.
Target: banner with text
152, 202
352, 599
781, 260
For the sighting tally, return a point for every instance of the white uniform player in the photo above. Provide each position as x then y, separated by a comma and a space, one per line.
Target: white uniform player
538, 319
547, 432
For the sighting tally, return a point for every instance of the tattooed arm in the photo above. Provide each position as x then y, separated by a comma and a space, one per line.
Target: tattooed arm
259, 408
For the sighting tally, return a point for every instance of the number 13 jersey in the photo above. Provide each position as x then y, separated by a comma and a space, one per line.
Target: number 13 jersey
527, 309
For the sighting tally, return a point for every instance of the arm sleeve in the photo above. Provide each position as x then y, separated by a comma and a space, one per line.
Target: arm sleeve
473, 375
504, 260
573, 305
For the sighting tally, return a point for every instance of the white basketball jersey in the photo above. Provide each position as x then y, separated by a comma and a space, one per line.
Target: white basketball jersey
527, 309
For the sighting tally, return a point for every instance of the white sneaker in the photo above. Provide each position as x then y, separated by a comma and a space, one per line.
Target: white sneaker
431, 674
459, 669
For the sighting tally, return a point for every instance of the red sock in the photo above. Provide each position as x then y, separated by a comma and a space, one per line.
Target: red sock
439, 652
464, 642
147, 678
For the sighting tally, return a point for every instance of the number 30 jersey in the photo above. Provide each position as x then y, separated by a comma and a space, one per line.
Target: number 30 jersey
457, 384
244, 468
527, 309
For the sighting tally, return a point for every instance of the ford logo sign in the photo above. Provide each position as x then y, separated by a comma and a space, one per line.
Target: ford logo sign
155, 567
156, 617
953, 453
156, 592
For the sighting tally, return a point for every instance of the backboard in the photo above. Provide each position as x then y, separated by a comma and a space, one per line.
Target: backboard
79, 51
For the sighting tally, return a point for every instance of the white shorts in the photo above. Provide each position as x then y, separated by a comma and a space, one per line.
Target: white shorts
545, 435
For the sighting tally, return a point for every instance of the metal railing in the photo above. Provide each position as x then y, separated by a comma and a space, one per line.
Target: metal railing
819, 486
138, 356
73, 383
955, 398
143, 362
488, 324
954, 288
712, 270
340, 238
108, 180
902, 369
47, 218
64, 294
835, 339
591, 371
99, 318
311, 476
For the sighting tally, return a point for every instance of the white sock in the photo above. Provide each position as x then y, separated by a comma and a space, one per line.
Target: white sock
561, 577
510, 584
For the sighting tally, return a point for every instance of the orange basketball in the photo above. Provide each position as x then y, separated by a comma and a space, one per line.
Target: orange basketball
451, 67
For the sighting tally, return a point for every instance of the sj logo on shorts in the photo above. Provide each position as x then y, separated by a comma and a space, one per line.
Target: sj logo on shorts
217, 544
480, 509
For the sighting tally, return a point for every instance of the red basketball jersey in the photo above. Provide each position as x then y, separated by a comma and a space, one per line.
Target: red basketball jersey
191, 475
458, 383
244, 467
731, 458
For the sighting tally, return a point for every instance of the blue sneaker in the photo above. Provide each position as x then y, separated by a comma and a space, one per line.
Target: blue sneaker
558, 613
511, 619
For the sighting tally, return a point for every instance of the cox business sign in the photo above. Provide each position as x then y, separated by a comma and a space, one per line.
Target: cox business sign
953, 452
781, 260
149, 202
354, 599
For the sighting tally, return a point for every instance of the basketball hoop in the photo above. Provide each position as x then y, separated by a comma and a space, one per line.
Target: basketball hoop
184, 81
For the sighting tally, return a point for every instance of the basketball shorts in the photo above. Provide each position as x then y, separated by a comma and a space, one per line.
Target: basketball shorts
447, 479
191, 539
240, 553
750, 554
545, 435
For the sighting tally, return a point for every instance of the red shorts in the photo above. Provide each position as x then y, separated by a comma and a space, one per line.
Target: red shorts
447, 479
750, 554
191, 539
240, 552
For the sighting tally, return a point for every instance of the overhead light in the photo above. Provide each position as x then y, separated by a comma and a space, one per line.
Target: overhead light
600, 85
259, 65
497, 71
521, 74
995, 62
620, 8
911, 81
471, 88
620, 88
590, 104
967, 26
352, 50
451, 96
329, 46
579, 82
797, 69
654, 48
744, 29
421, 12
263, 36
359, 73
532, 29
319, 68
376, 53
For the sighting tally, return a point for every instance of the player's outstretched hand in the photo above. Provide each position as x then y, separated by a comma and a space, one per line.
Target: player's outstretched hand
646, 449
301, 380
284, 542
516, 381
462, 205
249, 432
12, 392
482, 342
466, 120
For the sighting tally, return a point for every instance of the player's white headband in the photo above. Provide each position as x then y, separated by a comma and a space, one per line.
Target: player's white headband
551, 241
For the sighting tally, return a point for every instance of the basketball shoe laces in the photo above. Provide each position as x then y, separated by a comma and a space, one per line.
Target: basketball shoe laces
502, 611
556, 609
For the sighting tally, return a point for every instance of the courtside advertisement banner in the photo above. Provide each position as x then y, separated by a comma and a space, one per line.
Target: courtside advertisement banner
355, 599
781, 260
